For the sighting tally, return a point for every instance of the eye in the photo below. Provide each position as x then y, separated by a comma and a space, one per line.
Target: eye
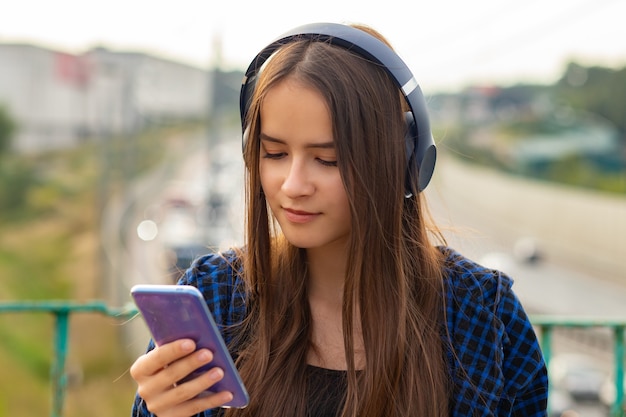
327, 163
276, 155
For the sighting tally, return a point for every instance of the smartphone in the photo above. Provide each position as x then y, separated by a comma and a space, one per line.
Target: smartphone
174, 312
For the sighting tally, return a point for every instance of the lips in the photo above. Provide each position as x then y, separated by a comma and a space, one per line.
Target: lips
299, 216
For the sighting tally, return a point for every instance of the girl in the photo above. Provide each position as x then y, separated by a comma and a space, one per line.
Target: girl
340, 304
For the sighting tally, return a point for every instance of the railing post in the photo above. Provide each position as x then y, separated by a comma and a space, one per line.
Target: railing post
546, 350
618, 406
58, 376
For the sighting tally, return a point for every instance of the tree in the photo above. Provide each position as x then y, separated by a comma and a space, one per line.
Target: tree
7, 129
596, 90
14, 176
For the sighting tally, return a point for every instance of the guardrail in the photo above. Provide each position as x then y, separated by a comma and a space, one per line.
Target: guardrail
63, 309
547, 324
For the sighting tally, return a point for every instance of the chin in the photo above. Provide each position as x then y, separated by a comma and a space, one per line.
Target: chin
307, 241
302, 240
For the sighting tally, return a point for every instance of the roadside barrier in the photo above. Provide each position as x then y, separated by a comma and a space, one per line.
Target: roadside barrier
62, 310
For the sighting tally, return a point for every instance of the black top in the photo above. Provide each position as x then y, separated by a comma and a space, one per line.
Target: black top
326, 390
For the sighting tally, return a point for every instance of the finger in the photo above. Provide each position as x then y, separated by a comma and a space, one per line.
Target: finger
184, 367
194, 387
205, 402
160, 357
194, 406
157, 387
191, 397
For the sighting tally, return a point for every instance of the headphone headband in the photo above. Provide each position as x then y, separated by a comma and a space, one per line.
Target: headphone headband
373, 49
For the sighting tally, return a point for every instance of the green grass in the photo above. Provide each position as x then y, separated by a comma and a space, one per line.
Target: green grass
34, 358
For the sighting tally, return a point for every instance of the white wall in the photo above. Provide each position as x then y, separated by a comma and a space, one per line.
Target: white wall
59, 99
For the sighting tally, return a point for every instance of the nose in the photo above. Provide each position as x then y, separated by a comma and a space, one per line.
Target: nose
298, 181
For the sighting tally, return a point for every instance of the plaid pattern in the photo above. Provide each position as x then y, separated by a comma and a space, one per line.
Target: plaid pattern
496, 366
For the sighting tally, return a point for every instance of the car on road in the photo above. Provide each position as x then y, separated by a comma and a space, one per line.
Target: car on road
580, 375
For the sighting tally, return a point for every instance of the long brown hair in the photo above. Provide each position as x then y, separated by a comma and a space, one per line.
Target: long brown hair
393, 272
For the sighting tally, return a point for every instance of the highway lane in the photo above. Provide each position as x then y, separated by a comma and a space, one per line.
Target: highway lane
560, 283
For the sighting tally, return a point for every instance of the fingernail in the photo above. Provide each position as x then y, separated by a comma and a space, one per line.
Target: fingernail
216, 374
187, 346
204, 356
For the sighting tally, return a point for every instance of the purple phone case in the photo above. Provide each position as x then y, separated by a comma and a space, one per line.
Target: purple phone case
173, 312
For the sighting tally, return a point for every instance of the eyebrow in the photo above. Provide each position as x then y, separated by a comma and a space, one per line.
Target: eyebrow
320, 145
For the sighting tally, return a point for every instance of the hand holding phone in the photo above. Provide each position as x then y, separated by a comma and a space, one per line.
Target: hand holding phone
174, 312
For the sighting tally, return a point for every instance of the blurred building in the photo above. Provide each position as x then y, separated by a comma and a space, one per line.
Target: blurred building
60, 99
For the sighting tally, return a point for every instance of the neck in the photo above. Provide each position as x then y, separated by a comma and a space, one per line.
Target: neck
326, 281
326, 274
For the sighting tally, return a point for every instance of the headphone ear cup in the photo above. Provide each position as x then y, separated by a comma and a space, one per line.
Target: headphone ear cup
420, 163
410, 143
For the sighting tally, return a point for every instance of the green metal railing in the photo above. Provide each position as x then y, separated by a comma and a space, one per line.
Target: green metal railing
63, 309
547, 324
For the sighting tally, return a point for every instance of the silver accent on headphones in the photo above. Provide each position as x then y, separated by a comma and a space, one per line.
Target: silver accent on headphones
409, 86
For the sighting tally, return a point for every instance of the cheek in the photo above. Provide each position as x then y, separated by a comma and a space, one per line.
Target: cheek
341, 199
268, 180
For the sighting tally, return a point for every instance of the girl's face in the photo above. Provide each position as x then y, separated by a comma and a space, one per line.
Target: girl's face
298, 167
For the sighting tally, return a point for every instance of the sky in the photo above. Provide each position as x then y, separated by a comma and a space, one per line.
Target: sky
448, 44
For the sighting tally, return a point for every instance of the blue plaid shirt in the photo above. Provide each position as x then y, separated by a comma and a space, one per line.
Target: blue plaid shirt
497, 367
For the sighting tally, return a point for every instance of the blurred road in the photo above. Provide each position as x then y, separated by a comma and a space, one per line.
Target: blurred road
561, 281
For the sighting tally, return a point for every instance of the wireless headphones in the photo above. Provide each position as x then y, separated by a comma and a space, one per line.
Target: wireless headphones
420, 145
